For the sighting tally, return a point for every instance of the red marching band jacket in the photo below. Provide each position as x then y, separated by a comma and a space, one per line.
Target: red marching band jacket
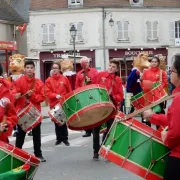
55, 85
80, 78
173, 122
23, 85
11, 118
113, 85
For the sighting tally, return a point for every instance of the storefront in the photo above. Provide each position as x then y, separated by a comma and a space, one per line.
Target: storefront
6, 49
125, 57
46, 59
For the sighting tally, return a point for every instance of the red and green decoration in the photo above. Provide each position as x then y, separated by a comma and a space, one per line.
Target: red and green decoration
19, 173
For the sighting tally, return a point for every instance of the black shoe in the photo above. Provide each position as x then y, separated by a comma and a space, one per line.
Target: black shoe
66, 143
41, 158
96, 157
58, 142
87, 135
30, 133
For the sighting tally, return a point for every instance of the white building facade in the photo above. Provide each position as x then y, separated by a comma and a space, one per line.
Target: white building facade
153, 30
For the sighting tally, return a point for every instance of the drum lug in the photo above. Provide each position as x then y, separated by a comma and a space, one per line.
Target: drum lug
131, 149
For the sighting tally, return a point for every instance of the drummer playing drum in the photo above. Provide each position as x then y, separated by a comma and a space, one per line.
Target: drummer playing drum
113, 83
34, 90
8, 117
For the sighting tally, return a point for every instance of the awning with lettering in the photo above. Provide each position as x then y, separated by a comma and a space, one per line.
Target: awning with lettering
8, 45
53, 60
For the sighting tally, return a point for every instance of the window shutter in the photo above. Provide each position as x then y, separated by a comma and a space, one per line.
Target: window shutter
126, 36
172, 30
79, 31
149, 32
45, 33
120, 30
155, 30
51, 32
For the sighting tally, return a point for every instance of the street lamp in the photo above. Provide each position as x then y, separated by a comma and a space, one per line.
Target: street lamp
73, 33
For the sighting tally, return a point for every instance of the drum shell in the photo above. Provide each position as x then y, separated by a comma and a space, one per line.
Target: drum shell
29, 117
91, 101
147, 144
57, 115
15, 157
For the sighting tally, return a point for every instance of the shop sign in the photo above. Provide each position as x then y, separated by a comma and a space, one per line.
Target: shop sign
136, 53
5, 45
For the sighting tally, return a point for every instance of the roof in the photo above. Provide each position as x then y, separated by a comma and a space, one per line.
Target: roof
8, 13
21, 7
62, 4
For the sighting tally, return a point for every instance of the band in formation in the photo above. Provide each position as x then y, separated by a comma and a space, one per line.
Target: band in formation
97, 102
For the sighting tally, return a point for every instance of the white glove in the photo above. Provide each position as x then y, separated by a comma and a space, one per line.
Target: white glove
58, 96
4, 101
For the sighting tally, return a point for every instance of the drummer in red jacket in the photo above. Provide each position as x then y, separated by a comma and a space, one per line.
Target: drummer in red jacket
8, 118
34, 90
113, 83
56, 87
171, 138
85, 77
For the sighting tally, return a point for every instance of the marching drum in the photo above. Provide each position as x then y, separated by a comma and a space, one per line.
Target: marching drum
57, 114
16, 164
29, 117
142, 99
87, 107
137, 148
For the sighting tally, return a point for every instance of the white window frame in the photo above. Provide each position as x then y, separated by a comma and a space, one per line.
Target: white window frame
124, 31
75, 2
79, 33
152, 33
177, 32
50, 35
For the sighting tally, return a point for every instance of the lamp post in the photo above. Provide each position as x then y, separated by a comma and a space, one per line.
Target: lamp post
73, 33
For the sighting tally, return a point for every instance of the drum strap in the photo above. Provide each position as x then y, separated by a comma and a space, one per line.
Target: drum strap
160, 78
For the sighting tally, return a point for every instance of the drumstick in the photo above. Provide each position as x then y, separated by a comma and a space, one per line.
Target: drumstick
25, 94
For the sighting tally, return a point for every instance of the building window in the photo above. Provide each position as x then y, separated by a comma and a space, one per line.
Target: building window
123, 30
152, 31
79, 36
75, 2
177, 29
48, 35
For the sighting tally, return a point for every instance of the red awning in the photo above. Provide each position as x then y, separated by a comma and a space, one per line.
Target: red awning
8, 45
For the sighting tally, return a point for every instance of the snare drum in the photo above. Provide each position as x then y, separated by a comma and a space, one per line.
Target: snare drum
142, 99
137, 148
16, 164
57, 114
29, 117
87, 107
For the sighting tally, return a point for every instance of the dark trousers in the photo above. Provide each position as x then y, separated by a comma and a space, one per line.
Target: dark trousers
36, 132
172, 169
88, 131
61, 132
96, 130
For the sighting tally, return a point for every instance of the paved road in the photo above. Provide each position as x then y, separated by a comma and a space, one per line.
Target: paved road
74, 162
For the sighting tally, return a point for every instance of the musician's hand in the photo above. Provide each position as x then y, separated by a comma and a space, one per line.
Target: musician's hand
29, 93
3, 127
58, 96
147, 114
88, 79
164, 135
17, 95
